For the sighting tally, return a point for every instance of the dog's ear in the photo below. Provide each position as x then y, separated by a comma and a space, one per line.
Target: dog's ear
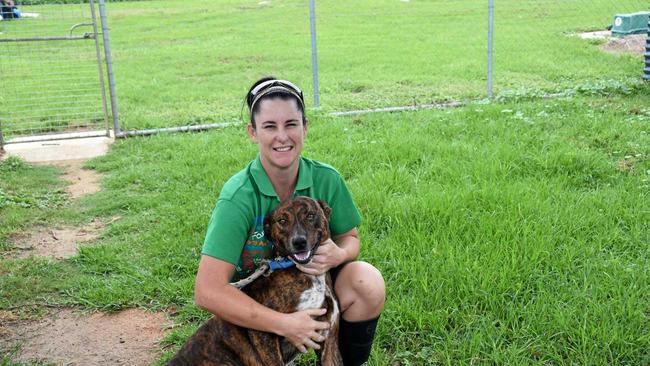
326, 209
268, 221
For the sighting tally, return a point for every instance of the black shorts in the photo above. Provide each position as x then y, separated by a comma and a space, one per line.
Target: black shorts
334, 272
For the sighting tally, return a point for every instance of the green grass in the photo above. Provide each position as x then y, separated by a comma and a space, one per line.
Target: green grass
27, 195
510, 233
190, 62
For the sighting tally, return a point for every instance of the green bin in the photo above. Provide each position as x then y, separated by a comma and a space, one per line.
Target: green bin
633, 23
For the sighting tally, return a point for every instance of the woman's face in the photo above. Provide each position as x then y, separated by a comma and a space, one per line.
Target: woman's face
280, 133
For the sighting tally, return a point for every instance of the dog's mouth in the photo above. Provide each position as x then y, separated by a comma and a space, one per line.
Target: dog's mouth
303, 257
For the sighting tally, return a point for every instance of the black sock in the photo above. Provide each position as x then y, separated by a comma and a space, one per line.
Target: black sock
355, 340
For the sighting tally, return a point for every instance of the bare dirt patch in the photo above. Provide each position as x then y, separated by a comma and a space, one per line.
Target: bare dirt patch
66, 337
62, 242
57, 243
82, 181
633, 43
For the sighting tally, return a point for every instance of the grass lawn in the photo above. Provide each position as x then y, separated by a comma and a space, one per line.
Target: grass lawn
510, 233
26, 195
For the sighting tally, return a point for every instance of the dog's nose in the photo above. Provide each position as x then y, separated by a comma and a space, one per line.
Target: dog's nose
299, 243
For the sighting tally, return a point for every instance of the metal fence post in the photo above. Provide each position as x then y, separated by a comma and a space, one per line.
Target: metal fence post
2, 140
314, 57
490, 92
646, 70
109, 69
99, 67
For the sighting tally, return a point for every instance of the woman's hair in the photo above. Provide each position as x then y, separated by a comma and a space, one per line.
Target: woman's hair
270, 87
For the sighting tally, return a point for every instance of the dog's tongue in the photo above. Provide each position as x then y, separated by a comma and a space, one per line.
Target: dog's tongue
301, 256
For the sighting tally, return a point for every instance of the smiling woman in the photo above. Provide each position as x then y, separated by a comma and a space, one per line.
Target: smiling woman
235, 243
280, 136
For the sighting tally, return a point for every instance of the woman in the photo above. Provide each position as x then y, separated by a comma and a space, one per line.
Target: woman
235, 242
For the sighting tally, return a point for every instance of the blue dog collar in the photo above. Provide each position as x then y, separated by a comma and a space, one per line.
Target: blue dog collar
284, 263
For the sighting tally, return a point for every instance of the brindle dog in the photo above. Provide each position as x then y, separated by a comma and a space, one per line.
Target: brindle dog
296, 228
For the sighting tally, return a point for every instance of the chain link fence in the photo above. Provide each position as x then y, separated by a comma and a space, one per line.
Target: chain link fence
557, 45
189, 63
410, 52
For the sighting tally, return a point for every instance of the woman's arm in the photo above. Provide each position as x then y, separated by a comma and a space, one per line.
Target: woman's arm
214, 293
350, 243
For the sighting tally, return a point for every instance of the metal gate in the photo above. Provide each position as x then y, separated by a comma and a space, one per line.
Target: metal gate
52, 74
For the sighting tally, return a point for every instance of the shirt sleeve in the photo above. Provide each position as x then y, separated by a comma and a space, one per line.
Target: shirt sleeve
345, 215
227, 232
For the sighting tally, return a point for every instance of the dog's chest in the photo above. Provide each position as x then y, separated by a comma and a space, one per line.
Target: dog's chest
314, 297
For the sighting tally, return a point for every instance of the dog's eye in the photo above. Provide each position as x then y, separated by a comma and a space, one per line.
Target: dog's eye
311, 217
282, 221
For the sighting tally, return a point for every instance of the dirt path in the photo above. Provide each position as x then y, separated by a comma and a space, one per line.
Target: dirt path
67, 336
82, 181
57, 243
63, 242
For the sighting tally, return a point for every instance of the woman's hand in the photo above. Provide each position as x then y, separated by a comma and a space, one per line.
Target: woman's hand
302, 330
327, 256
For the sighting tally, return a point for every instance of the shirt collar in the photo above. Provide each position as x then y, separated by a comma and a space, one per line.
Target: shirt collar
264, 183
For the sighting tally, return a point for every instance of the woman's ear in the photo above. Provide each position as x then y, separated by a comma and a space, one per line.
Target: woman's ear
251, 132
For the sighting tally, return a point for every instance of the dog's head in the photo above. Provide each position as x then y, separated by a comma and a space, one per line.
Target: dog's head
297, 227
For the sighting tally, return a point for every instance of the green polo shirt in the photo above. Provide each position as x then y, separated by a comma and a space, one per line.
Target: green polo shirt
236, 230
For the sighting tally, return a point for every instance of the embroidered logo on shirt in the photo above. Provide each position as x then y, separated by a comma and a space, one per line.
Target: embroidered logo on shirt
255, 250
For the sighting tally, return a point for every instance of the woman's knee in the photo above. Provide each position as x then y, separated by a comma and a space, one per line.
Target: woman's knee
362, 281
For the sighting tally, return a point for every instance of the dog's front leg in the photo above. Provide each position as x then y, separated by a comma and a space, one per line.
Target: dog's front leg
268, 348
329, 354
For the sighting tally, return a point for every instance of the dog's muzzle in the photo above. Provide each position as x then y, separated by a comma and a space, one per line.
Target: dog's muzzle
301, 253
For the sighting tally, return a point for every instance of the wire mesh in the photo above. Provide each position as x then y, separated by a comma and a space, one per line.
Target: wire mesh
389, 53
50, 72
190, 62
555, 45
417, 52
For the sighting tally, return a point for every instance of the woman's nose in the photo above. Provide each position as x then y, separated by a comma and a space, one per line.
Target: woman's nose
282, 134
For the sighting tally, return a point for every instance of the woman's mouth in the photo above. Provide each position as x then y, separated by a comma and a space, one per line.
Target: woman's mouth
283, 148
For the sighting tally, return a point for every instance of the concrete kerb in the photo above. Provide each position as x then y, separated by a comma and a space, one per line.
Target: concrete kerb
69, 146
